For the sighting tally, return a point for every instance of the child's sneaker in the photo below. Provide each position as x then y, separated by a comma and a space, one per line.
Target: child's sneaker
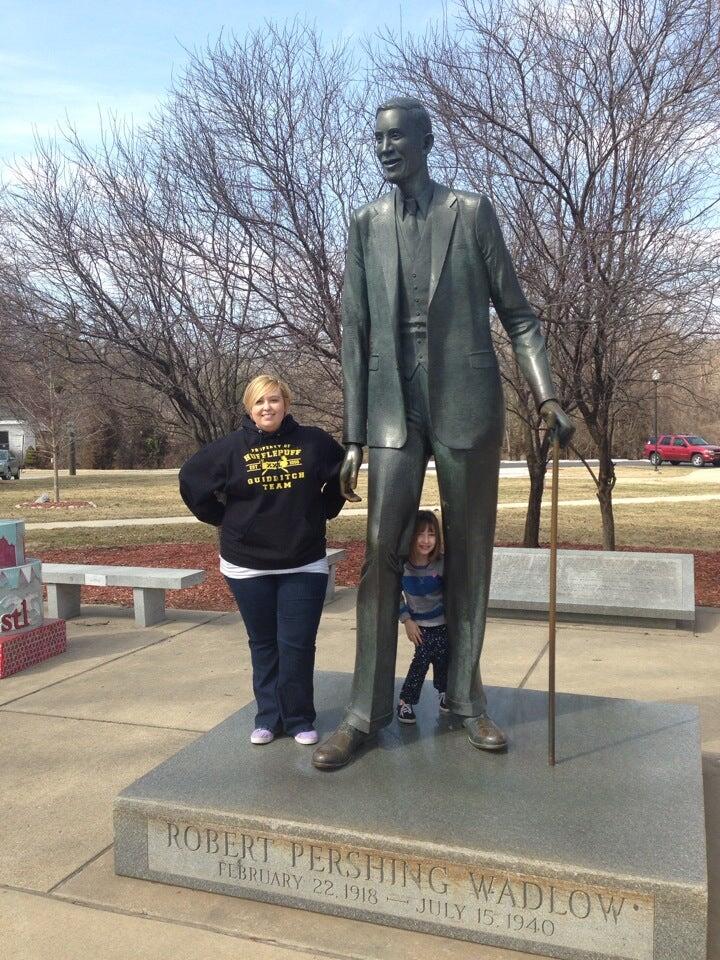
444, 708
262, 735
405, 713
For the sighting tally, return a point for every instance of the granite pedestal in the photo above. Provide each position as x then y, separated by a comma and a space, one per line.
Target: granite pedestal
602, 856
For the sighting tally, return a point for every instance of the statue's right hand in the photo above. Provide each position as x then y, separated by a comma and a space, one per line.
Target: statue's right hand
349, 472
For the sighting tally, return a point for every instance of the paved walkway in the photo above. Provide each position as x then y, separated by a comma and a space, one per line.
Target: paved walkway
125, 522
77, 729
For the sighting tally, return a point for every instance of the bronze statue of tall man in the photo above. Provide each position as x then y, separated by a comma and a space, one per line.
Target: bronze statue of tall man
421, 378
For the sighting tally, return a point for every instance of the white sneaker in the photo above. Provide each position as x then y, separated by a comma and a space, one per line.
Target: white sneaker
261, 735
306, 737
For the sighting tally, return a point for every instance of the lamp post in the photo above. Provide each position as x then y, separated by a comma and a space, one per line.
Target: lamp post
656, 380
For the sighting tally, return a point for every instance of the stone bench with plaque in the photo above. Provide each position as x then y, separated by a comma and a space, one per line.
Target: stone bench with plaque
596, 585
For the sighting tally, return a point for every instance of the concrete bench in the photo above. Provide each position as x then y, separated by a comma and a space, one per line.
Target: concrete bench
334, 556
64, 580
596, 585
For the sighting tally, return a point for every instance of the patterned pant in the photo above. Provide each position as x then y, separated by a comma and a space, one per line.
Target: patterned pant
434, 650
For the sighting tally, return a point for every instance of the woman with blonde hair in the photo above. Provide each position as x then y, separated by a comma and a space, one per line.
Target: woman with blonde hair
271, 486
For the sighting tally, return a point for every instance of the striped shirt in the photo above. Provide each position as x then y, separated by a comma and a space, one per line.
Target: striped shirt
422, 594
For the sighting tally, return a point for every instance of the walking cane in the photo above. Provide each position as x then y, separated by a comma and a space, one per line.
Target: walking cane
553, 597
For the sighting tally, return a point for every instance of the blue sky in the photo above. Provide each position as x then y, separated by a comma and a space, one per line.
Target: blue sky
74, 59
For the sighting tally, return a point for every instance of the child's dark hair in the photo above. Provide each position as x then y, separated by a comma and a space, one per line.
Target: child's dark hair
424, 519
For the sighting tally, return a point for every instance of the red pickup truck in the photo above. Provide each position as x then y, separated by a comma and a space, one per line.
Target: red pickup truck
682, 448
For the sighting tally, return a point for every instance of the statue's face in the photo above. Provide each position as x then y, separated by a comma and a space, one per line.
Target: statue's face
400, 145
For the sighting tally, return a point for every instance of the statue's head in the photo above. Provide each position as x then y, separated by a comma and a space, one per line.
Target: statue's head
403, 138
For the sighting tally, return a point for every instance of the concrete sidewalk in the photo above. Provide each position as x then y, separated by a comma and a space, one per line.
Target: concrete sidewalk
78, 728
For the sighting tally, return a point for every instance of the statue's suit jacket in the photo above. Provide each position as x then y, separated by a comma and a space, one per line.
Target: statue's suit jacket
470, 266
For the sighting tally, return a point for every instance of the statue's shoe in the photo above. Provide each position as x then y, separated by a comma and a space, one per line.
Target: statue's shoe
484, 733
339, 748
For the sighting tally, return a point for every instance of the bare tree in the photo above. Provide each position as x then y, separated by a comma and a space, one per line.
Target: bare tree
105, 246
595, 125
188, 255
272, 132
41, 390
182, 258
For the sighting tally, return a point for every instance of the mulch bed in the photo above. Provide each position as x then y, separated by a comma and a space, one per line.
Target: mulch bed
214, 595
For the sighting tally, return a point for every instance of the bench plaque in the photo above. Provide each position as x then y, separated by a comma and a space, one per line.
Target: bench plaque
95, 580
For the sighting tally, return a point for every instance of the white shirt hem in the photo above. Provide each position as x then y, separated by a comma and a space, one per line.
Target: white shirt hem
234, 572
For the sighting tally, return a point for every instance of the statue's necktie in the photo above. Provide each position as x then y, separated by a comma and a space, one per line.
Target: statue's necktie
411, 223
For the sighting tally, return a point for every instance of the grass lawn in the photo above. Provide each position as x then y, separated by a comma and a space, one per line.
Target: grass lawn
577, 484
116, 494
121, 494
37, 540
124, 494
637, 525
681, 526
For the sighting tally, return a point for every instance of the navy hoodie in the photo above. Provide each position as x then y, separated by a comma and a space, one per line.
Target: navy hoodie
270, 493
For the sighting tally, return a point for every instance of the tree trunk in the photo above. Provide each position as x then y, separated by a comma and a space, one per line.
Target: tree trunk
56, 471
605, 485
72, 454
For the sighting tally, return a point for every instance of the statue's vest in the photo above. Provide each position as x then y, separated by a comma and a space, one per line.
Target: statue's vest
414, 283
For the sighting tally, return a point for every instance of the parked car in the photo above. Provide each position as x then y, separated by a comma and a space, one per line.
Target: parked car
9, 466
682, 448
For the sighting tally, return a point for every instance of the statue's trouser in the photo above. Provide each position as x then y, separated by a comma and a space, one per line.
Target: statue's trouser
468, 482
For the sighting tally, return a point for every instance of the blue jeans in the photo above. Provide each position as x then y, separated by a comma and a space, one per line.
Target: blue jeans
282, 614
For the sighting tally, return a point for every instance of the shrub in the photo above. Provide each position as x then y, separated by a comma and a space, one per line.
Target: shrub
32, 458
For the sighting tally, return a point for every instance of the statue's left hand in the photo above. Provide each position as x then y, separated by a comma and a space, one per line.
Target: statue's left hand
349, 470
558, 422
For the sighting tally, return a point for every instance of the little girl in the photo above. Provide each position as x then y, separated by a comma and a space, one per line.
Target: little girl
423, 614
